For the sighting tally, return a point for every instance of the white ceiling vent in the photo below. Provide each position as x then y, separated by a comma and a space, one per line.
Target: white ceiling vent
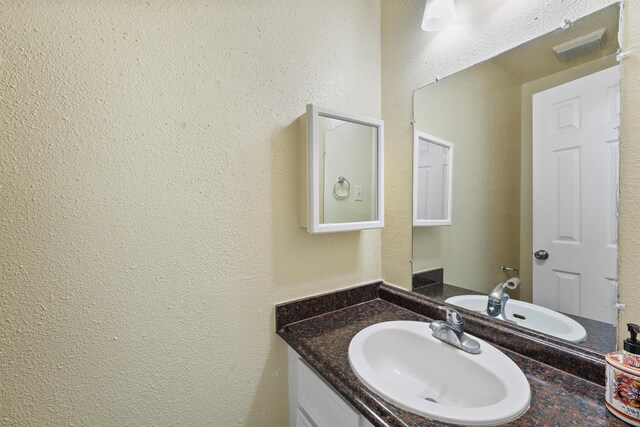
582, 45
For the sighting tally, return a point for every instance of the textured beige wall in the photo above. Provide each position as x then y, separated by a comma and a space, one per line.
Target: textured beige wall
148, 215
148, 219
629, 255
526, 182
478, 110
400, 28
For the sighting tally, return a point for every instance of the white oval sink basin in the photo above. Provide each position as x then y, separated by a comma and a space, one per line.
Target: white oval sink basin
402, 362
530, 316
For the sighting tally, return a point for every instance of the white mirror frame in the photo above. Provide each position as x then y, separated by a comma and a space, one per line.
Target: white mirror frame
313, 167
422, 136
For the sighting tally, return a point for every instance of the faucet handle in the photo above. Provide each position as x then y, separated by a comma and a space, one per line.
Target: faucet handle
453, 316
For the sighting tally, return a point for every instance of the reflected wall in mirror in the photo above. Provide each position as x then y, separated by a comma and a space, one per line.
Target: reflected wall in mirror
433, 166
344, 160
536, 137
350, 155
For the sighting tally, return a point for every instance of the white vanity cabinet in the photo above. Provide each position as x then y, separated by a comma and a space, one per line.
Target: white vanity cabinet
314, 403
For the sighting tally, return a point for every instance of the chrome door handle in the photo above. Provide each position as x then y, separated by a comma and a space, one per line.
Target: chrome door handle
541, 254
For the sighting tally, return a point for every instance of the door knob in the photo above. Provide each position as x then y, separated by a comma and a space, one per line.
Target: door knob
541, 254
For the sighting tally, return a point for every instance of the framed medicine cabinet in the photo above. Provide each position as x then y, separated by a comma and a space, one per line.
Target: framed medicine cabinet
432, 180
341, 156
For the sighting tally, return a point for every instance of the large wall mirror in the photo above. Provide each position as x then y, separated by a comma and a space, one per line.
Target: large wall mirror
535, 188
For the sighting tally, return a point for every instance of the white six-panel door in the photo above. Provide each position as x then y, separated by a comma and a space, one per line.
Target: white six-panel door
433, 168
575, 179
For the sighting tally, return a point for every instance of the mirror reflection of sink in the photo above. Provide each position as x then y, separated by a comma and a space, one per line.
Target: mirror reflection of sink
528, 315
402, 362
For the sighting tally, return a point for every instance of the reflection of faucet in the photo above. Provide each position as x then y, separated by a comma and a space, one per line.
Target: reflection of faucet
501, 307
451, 332
498, 299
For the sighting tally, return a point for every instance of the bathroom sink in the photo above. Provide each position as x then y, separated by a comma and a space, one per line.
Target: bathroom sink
402, 362
528, 315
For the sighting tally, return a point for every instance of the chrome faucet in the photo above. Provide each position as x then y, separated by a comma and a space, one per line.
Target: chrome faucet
498, 299
500, 308
495, 304
451, 332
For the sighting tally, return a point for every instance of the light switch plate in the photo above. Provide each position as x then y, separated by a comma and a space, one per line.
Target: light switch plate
358, 193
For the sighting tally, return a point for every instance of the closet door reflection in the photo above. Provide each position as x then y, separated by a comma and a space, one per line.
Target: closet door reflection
433, 162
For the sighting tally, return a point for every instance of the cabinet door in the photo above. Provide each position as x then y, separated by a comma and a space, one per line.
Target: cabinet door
314, 403
302, 420
365, 422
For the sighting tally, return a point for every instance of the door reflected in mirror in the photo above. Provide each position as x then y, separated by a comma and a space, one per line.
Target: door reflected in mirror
433, 158
536, 137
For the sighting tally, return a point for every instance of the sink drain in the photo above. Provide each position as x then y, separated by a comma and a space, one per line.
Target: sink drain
429, 399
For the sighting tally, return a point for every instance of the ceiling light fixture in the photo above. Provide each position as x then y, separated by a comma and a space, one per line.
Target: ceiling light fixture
438, 14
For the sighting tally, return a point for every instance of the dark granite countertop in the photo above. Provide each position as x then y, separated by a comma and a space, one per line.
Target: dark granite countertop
601, 336
320, 330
